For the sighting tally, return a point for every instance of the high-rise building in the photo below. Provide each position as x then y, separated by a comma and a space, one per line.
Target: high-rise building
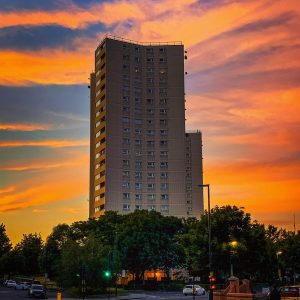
140, 155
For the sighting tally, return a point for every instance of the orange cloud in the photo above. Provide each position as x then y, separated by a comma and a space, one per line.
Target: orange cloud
46, 143
74, 17
45, 67
23, 127
5, 190
74, 161
52, 186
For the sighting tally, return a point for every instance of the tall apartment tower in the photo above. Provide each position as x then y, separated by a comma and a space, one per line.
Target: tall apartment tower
140, 155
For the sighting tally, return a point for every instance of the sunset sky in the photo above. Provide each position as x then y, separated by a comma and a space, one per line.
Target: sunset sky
242, 92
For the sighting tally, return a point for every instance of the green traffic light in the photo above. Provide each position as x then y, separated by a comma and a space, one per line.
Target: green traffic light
107, 273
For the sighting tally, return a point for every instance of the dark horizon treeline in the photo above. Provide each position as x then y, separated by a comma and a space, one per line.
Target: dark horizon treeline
146, 240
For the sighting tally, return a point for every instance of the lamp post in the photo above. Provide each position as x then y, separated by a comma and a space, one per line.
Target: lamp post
209, 235
233, 245
279, 271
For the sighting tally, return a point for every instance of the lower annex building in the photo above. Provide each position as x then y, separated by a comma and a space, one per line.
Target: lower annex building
141, 157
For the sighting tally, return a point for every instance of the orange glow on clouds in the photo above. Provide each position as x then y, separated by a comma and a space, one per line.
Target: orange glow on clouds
23, 127
46, 143
54, 184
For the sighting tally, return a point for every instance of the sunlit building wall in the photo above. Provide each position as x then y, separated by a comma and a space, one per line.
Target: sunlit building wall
140, 155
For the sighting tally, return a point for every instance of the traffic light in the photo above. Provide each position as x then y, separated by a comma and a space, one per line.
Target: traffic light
107, 274
212, 281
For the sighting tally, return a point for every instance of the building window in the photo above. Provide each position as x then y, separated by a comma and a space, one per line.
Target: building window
97, 166
150, 175
138, 142
125, 151
126, 141
138, 174
163, 175
150, 186
163, 143
163, 101
126, 130
163, 122
97, 198
97, 176
138, 207
150, 132
125, 120
151, 207
138, 131
163, 132
97, 187
126, 173
149, 122
164, 197
138, 163
138, 121
150, 153
150, 111
150, 143
126, 207
164, 208
102, 173
97, 155
150, 101
138, 196
138, 153
125, 99
138, 185
163, 153
151, 196
164, 164
137, 100
125, 162
126, 196
150, 164
125, 185
163, 186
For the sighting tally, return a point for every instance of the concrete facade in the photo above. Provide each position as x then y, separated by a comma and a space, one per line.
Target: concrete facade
140, 156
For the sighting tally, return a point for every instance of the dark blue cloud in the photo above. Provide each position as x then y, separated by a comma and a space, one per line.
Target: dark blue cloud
40, 37
64, 107
17, 5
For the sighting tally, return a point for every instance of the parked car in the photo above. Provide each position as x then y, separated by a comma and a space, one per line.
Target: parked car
23, 285
193, 289
290, 292
37, 290
10, 283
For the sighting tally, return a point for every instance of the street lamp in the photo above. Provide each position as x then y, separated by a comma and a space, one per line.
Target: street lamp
233, 245
209, 235
279, 271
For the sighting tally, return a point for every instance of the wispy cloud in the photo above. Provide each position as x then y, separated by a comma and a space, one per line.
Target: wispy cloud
46, 143
24, 127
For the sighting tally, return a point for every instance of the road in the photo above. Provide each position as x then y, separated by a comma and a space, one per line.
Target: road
12, 294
